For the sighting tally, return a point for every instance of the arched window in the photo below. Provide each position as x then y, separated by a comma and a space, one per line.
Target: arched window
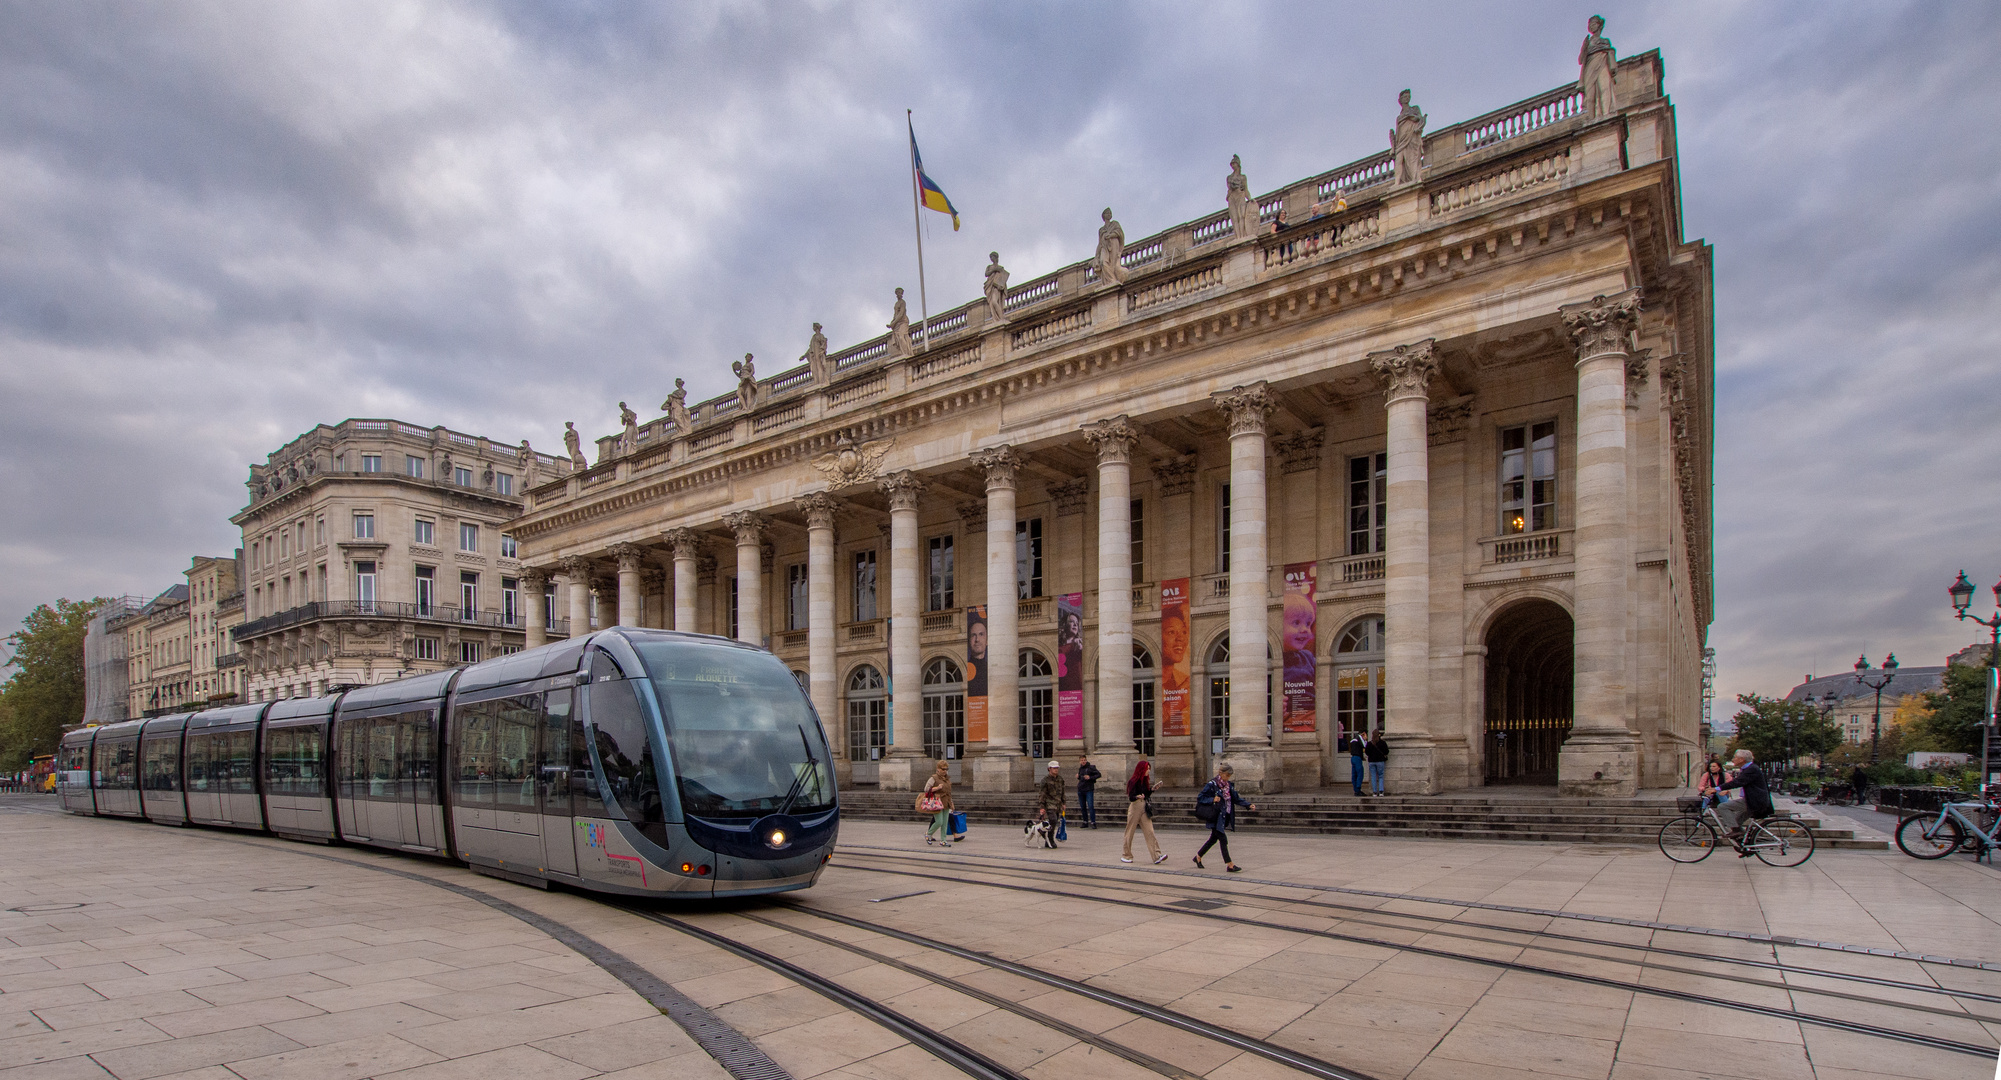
1036, 699
868, 715
944, 709
799, 677
1146, 692
1358, 676
1218, 683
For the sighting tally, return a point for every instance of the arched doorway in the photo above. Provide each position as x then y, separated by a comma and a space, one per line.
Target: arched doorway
1528, 691
1035, 696
867, 703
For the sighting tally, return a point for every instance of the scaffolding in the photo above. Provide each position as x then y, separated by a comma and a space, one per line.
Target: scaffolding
105, 673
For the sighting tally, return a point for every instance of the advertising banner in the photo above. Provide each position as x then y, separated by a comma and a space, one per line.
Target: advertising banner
1174, 657
976, 674
1070, 666
1300, 646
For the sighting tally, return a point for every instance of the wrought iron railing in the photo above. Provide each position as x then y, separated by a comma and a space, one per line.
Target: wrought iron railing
379, 609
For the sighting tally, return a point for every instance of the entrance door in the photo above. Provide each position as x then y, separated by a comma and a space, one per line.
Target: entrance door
517, 807
1528, 692
1036, 698
559, 833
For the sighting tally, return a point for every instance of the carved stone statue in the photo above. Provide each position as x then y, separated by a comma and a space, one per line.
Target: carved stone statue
1594, 60
1111, 247
899, 328
816, 356
746, 383
629, 442
486, 477
1407, 141
1237, 188
852, 462
525, 459
996, 288
677, 408
574, 443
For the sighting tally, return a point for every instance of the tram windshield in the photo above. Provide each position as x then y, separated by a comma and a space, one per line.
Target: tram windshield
743, 740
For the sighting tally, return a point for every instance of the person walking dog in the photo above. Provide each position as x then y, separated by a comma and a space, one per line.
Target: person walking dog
1087, 792
937, 800
1378, 752
1140, 787
1217, 805
1050, 805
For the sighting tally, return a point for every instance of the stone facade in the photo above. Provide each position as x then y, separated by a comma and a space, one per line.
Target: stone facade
1475, 403
374, 549
1851, 703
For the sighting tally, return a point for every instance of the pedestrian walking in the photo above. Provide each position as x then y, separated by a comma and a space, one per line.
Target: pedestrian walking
1217, 804
1378, 753
936, 800
1859, 781
1050, 804
1140, 787
1357, 749
1087, 792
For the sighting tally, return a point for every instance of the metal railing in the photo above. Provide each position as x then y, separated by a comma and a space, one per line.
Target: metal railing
380, 609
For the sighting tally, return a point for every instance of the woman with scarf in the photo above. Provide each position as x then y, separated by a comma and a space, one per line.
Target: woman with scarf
1219, 797
937, 801
1139, 793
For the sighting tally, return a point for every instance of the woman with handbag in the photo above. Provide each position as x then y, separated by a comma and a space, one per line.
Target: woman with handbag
1139, 811
936, 800
1217, 805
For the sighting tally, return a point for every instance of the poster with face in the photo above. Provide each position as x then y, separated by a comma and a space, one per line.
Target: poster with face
1297, 636
1070, 666
976, 674
1174, 656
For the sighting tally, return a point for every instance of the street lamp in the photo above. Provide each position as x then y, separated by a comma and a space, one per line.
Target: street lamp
1890, 672
1962, 598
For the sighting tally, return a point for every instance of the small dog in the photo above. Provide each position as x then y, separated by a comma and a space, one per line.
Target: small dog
1038, 831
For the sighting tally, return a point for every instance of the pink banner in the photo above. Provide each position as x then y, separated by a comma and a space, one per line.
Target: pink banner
1174, 656
1070, 666
1301, 650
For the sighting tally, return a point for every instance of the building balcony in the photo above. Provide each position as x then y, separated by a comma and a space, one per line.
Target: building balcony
376, 609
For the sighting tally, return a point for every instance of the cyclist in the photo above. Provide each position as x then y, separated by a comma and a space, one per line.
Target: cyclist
1757, 800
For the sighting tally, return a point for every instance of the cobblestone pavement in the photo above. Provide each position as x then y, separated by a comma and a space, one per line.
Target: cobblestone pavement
144, 953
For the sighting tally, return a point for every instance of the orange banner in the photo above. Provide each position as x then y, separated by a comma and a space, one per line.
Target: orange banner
1174, 638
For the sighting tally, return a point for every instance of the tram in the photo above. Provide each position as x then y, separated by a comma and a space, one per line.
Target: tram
642, 762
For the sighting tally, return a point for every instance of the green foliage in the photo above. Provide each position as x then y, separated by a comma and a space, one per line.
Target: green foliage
1957, 711
1762, 729
45, 693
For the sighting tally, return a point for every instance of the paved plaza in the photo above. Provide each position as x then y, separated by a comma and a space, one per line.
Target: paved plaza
139, 952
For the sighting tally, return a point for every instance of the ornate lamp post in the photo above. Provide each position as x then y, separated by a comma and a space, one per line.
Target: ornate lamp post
1877, 684
1962, 598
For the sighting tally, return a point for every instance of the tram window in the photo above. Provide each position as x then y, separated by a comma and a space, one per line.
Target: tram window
382, 757
241, 749
554, 762
162, 765
295, 761
516, 721
619, 723
741, 735
473, 779
583, 781
116, 769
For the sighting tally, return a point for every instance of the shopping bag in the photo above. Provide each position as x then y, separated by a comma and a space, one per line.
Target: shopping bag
957, 823
1062, 829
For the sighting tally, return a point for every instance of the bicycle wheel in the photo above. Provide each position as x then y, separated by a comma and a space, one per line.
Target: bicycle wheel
1919, 840
1687, 840
1782, 842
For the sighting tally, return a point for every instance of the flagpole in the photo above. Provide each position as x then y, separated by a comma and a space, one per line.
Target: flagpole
917, 225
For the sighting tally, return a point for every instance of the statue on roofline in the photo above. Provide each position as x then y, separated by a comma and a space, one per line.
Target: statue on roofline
1594, 61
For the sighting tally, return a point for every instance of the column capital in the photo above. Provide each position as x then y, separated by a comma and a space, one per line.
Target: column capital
1174, 476
1070, 496
748, 526
819, 509
1299, 452
1636, 375
1406, 370
903, 488
999, 462
534, 579
1603, 325
974, 515
686, 543
1247, 407
1113, 439
652, 579
576, 568
629, 556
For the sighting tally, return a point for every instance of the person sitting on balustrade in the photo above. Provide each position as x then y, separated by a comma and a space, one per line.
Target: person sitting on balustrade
1757, 800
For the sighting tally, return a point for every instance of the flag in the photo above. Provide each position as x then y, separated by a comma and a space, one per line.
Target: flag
930, 194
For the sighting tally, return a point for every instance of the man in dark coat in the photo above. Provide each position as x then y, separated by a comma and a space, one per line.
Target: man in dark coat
1757, 800
1087, 792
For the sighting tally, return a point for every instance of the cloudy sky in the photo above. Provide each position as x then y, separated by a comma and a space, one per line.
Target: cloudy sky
223, 223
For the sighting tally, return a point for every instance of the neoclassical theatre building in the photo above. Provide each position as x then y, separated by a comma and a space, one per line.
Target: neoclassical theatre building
1420, 444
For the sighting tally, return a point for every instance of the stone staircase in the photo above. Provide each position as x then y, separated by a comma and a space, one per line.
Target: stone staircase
1511, 814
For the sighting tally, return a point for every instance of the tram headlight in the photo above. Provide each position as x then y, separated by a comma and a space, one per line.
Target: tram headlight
777, 841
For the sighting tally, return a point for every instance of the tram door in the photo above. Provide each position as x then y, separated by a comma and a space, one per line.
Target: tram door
559, 832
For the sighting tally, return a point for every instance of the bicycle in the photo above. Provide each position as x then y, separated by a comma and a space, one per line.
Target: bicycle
1776, 841
1973, 825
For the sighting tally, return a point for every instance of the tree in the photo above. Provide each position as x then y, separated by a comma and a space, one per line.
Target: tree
45, 693
1762, 729
1957, 710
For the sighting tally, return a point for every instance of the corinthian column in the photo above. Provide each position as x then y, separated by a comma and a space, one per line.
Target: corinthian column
606, 586
577, 579
687, 547
1114, 440
749, 529
1001, 767
906, 698
1247, 409
1601, 757
1406, 372
534, 607
820, 683
631, 601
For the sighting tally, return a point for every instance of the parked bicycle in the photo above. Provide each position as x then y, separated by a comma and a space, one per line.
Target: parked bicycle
1975, 826
1776, 841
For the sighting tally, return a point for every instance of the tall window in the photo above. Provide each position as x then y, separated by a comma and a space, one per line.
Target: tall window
1028, 558
1528, 478
510, 600
1138, 528
865, 608
549, 606
468, 595
1358, 675
1145, 693
364, 585
256, 551
364, 526
427, 589
731, 615
1036, 698
940, 595
1368, 501
285, 543
1222, 528
301, 528
371, 463
426, 532
795, 597
462, 476
468, 536
868, 715
508, 549
944, 710
413, 465
1219, 690
320, 532
503, 483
